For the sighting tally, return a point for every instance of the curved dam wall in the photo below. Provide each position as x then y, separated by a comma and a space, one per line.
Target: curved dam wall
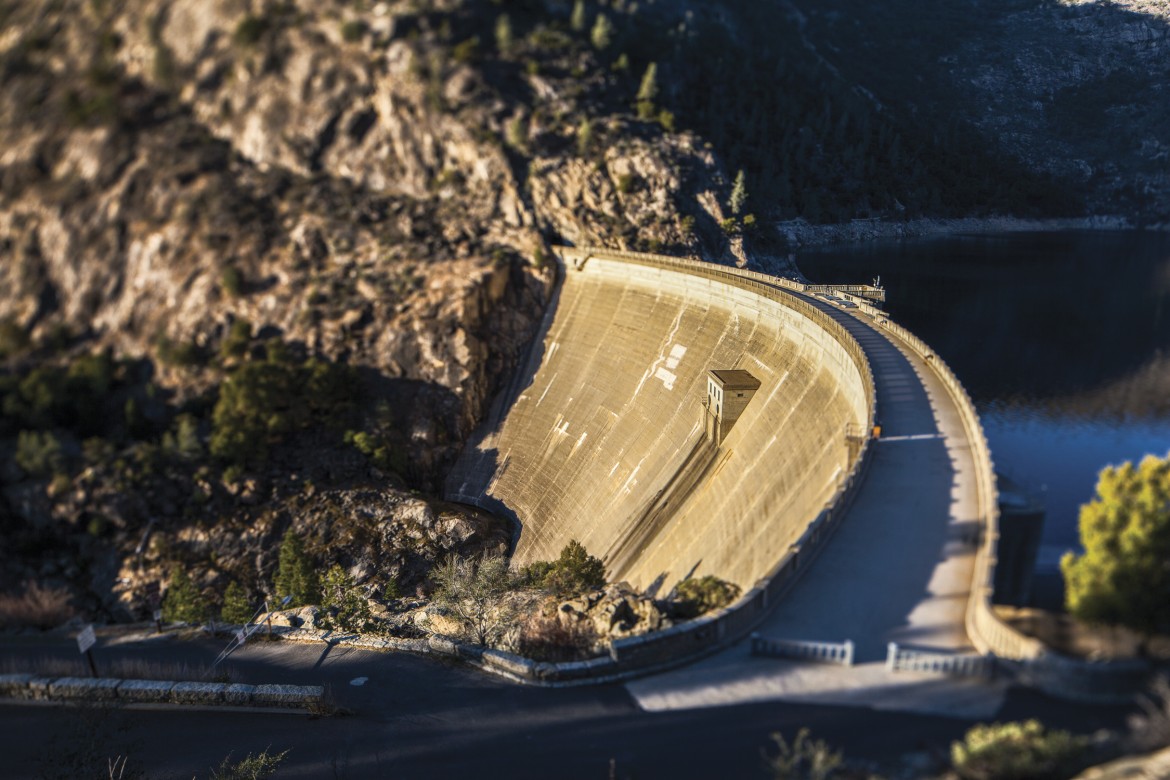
605, 441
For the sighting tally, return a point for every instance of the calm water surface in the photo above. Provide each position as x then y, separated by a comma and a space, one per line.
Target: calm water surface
1062, 339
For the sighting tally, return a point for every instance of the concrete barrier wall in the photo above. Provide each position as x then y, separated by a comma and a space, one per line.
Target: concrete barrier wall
593, 444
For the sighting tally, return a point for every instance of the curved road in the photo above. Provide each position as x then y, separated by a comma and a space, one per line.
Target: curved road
416, 717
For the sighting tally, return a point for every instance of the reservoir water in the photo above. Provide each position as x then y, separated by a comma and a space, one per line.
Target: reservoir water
1062, 339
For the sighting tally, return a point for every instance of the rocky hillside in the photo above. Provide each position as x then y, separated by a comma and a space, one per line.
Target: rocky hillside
266, 263
1073, 89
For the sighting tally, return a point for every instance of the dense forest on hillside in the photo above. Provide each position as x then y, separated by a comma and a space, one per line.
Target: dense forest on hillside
742, 76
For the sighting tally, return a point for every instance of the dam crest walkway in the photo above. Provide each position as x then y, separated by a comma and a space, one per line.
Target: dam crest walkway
899, 567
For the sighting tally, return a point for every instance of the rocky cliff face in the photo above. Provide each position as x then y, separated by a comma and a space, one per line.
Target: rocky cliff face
370, 185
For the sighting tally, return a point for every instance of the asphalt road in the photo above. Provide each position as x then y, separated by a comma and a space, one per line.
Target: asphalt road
417, 717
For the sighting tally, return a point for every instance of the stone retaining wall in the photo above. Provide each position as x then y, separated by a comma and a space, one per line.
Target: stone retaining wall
76, 689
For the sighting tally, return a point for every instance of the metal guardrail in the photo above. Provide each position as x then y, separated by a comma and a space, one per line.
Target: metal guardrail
862, 290
825, 652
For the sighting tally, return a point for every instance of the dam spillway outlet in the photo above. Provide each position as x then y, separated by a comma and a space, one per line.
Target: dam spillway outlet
601, 441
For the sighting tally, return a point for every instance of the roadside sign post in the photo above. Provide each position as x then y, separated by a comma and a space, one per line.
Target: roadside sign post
85, 642
158, 621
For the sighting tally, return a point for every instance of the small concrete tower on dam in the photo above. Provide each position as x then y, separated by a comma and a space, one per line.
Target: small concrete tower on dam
728, 394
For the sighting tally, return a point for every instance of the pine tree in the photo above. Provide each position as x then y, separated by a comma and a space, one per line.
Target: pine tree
341, 594
575, 571
236, 608
584, 137
648, 92
503, 34
1123, 578
183, 603
296, 575
577, 20
514, 133
738, 194
602, 34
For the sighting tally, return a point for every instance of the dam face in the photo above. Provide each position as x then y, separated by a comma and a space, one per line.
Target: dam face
606, 439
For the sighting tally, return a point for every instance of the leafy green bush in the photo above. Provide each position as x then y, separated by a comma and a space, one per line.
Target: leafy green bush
1015, 751
475, 591
504, 38
695, 596
239, 337
466, 51
39, 453
178, 353
573, 573
378, 450
253, 767
13, 338
577, 20
648, 92
534, 574
802, 759
353, 30
232, 281
250, 30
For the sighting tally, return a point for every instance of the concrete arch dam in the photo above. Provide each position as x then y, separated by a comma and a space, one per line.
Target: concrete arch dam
605, 436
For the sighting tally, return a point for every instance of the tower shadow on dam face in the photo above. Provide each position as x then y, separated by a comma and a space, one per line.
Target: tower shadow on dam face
646, 525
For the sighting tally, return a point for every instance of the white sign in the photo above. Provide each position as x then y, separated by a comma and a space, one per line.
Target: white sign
157, 615
241, 636
86, 639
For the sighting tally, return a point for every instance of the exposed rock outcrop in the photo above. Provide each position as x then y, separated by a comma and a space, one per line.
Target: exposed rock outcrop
616, 612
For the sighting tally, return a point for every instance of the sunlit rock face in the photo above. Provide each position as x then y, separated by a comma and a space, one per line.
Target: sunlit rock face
343, 180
